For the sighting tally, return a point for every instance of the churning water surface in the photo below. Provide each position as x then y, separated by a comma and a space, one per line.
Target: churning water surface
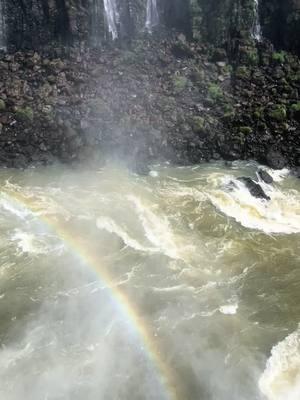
178, 285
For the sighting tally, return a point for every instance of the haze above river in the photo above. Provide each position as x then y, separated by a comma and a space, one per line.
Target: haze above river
177, 285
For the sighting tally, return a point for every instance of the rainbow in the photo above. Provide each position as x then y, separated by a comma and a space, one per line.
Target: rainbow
88, 258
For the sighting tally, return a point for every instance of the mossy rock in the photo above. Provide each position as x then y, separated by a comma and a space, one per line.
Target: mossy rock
295, 107
295, 111
198, 124
197, 75
249, 55
229, 112
215, 92
2, 105
24, 114
245, 130
180, 83
278, 112
242, 72
279, 57
295, 77
258, 113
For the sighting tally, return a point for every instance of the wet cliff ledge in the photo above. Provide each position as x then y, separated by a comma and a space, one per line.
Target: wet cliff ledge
148, 80
159, 98
36, 23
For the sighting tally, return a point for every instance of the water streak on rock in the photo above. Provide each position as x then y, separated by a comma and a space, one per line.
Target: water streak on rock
152, 18
2, 27
256, 33
112, 17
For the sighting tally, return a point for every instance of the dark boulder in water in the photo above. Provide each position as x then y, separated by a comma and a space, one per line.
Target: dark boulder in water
141, 169
296, 172
265, 176
254, 188
275, 159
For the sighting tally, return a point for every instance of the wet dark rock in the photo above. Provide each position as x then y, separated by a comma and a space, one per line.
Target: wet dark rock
275, 159
278, 112
254, 188
295, 110
263, 174
141, 168
186, 108
296, 172
2, 105
182, 50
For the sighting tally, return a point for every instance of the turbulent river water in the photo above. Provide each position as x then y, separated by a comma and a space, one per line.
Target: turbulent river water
178, 285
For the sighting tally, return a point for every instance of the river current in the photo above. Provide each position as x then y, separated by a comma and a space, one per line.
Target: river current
177, 285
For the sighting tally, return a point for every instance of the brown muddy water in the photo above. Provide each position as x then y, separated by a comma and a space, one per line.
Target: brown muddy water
178, 285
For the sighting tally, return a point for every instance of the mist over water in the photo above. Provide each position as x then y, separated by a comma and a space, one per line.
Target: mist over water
213, 272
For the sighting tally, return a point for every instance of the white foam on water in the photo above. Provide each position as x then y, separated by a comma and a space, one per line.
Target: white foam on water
14, 209
27, 243
154, 174
279, 215
33, 244
278, 175
159, 231
229, 309
111, 226
11, 357
281, 377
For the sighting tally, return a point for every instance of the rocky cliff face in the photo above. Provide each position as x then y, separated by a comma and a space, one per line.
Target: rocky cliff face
281, 23
69, 89
33, 23
36, 23
218, 21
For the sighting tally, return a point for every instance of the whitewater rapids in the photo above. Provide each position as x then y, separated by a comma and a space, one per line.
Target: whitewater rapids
176, 285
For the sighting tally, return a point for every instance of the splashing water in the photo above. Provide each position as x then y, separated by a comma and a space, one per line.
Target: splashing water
279, 215
112, 17
152, 18
281, 378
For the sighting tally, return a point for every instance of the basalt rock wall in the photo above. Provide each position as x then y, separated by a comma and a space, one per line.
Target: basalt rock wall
37, 23
34, 23
219, 21
281, 23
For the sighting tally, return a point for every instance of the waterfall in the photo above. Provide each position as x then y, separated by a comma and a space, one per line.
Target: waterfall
152, 15
256, 31
112, 17
2, 27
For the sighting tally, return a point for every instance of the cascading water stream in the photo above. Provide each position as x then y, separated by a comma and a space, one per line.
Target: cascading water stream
256, 31
112, 17
152, 18
2, 27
